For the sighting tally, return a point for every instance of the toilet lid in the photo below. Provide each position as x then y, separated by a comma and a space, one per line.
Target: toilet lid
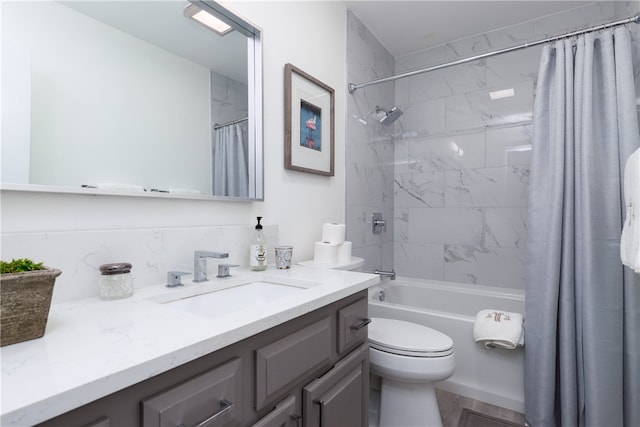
400, 337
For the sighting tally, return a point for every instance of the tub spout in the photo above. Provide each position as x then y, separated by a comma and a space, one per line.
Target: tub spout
390, 274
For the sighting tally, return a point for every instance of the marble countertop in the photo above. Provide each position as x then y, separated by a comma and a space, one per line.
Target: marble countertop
93, 348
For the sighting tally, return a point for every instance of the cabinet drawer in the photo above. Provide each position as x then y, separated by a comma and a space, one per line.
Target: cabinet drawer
214, 397
283, 415
352, 325
286, 360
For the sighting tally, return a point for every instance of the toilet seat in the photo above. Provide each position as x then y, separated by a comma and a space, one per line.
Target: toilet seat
408, 339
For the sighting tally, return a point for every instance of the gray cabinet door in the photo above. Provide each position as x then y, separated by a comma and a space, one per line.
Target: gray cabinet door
280, 364
283, 415
212, 399
340, 397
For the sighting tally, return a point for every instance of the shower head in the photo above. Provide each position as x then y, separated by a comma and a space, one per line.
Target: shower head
390, 116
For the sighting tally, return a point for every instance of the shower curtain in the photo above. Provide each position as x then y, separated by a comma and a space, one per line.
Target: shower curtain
231, 161
582, 334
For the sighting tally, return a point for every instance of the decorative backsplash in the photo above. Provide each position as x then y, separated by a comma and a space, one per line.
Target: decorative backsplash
153, 252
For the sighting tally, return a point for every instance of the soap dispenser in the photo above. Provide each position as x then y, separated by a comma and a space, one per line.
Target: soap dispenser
258, 250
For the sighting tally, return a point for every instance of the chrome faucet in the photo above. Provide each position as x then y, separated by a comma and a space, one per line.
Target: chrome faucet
200, 263
390, 274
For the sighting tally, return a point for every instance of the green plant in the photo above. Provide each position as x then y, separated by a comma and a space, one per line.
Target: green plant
19, 265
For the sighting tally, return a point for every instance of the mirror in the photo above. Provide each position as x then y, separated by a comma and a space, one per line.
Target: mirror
130, 97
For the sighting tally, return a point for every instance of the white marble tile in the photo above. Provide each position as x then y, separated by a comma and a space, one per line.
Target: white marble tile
513, 67
467, 47
508, 146
423, 189
448, 81
401, 224
503, 267
459, 226
423, 59
229, 100
419, 260
489, 187
505, 227
477, 109
369, 146
152, 252
454, 151
401, 156
372, 256
367, 185
423, 118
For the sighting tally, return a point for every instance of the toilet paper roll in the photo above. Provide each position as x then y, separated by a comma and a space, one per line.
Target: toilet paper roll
333, 232
344, 252
325, 253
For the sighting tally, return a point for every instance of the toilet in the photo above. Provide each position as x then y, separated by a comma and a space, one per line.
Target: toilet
409, 358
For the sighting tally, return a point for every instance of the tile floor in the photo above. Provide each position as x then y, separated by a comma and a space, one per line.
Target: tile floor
451, 406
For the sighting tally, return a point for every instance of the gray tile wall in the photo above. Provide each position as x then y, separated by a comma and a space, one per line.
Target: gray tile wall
460, 159
369, 148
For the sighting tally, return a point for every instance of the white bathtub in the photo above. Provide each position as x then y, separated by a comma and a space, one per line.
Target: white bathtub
494, 376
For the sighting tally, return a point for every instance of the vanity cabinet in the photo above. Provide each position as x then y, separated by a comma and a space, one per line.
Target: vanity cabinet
310, 371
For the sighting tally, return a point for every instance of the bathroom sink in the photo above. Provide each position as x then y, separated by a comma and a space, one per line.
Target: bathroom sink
217, 303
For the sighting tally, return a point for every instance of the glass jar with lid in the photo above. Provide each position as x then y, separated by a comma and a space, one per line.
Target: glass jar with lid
115, 281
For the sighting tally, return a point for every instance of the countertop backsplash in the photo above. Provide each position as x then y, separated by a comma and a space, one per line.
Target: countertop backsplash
153, 252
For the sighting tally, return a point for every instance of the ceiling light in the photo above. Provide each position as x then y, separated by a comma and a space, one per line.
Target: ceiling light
208, 20
499, 94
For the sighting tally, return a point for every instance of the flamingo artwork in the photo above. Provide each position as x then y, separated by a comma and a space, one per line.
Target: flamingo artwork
310, 126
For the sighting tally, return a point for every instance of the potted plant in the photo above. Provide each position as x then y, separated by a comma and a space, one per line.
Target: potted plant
26, 288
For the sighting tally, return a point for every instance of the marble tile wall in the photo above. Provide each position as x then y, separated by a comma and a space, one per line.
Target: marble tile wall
152, 251
369, 148
462, 158
458, 161
229, 99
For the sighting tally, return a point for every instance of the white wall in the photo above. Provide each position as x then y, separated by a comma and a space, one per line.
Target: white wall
310, 35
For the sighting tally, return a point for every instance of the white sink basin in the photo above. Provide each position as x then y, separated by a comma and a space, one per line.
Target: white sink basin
224, 301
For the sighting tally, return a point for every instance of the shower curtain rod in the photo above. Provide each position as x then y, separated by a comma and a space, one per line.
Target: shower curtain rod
630, 20
232, 122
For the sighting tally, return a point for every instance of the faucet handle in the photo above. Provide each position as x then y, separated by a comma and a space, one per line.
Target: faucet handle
174, 278
223, 269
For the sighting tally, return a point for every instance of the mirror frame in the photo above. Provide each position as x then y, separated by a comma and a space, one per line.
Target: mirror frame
255, 124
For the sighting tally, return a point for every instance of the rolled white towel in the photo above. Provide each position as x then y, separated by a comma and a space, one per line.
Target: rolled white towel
496, 328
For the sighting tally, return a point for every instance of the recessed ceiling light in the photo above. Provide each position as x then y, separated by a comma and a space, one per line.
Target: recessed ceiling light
208, 20
499, 94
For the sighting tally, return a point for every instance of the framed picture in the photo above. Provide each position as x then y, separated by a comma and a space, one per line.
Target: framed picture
308, 123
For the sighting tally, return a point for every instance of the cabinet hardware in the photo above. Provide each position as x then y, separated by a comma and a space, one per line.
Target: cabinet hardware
361, 325
296, 418
225, 406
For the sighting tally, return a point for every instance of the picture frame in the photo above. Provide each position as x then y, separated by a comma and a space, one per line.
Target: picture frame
309, 128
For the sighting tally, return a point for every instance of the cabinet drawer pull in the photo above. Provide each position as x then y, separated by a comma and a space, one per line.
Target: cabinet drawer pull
225, 406
297, 418
361, 325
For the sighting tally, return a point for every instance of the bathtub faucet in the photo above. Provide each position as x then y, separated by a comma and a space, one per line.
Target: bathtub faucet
390, 274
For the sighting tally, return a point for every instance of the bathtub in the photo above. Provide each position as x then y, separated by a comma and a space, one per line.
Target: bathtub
495, 376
